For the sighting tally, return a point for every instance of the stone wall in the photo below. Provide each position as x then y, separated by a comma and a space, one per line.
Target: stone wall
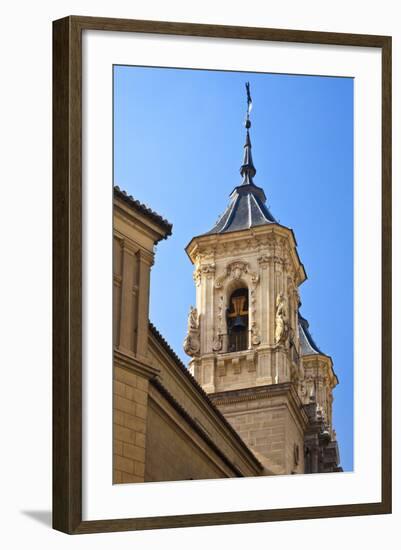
130, 418
271, 422
176, 450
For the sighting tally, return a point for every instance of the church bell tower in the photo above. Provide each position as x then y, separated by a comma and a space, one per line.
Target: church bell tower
244, 334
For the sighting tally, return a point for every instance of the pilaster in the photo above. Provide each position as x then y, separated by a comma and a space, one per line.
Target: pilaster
145, 261
129, 291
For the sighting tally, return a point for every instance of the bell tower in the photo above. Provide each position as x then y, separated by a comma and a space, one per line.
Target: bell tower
244, 333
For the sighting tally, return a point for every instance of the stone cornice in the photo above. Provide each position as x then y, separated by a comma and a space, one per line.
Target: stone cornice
146, 256
251, 393
136, 207
262, 392
254, 239
129, 361
129, 247
140, 222
133, 248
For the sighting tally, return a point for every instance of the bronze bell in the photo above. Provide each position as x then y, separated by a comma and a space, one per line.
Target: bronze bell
238, 323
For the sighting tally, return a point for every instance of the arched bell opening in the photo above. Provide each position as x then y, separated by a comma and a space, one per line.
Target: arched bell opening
238, 320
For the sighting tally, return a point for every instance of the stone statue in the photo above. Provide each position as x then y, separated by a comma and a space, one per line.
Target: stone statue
192, 339
282, 331
193, 319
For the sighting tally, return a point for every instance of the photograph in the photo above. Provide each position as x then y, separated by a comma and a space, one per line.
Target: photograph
233, 274
200, 295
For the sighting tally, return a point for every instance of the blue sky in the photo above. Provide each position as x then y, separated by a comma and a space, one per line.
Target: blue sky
178, 144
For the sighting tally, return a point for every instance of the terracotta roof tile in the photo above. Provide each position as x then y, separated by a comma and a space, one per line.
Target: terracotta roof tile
154, 216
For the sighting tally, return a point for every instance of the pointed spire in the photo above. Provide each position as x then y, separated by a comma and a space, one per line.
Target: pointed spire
247, 169
247, 207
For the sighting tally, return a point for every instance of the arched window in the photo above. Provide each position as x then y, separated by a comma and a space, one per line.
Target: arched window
237, 320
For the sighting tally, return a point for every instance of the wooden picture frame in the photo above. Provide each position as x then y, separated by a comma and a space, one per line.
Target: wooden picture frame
67, 273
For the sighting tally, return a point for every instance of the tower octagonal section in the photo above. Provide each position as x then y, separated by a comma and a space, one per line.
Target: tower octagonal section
247, 307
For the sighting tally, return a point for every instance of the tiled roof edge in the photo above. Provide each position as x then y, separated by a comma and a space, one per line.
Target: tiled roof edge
154, 216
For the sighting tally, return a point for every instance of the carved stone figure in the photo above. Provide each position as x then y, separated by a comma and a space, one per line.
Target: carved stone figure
302, 388
191, 346
281, 333
193, 319
217, 343
255, 335
192, 339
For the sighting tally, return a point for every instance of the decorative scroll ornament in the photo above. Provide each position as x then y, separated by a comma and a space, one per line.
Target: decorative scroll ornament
207, 269
192, 339
235, 271
282, 327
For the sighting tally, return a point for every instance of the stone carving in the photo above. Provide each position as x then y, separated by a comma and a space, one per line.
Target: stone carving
205, 256
254, 243
193, 319
236, 271
264, 260
197, 276
282, 331
192, 339
207, 269
218, 343
220, 315
255, 335
218, 339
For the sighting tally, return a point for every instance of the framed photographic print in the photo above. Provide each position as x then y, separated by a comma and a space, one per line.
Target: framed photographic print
222, 275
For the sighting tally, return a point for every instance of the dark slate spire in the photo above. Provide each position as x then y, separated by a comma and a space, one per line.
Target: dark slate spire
247, 169
307, 343
247, 206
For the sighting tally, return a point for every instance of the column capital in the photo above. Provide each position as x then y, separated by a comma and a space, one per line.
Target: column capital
145, 256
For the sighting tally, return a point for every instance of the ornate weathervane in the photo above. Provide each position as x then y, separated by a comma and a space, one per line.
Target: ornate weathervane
247, 169
249, 105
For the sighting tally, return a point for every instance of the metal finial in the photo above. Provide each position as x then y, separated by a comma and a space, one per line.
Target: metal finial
247, 169
249, 105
